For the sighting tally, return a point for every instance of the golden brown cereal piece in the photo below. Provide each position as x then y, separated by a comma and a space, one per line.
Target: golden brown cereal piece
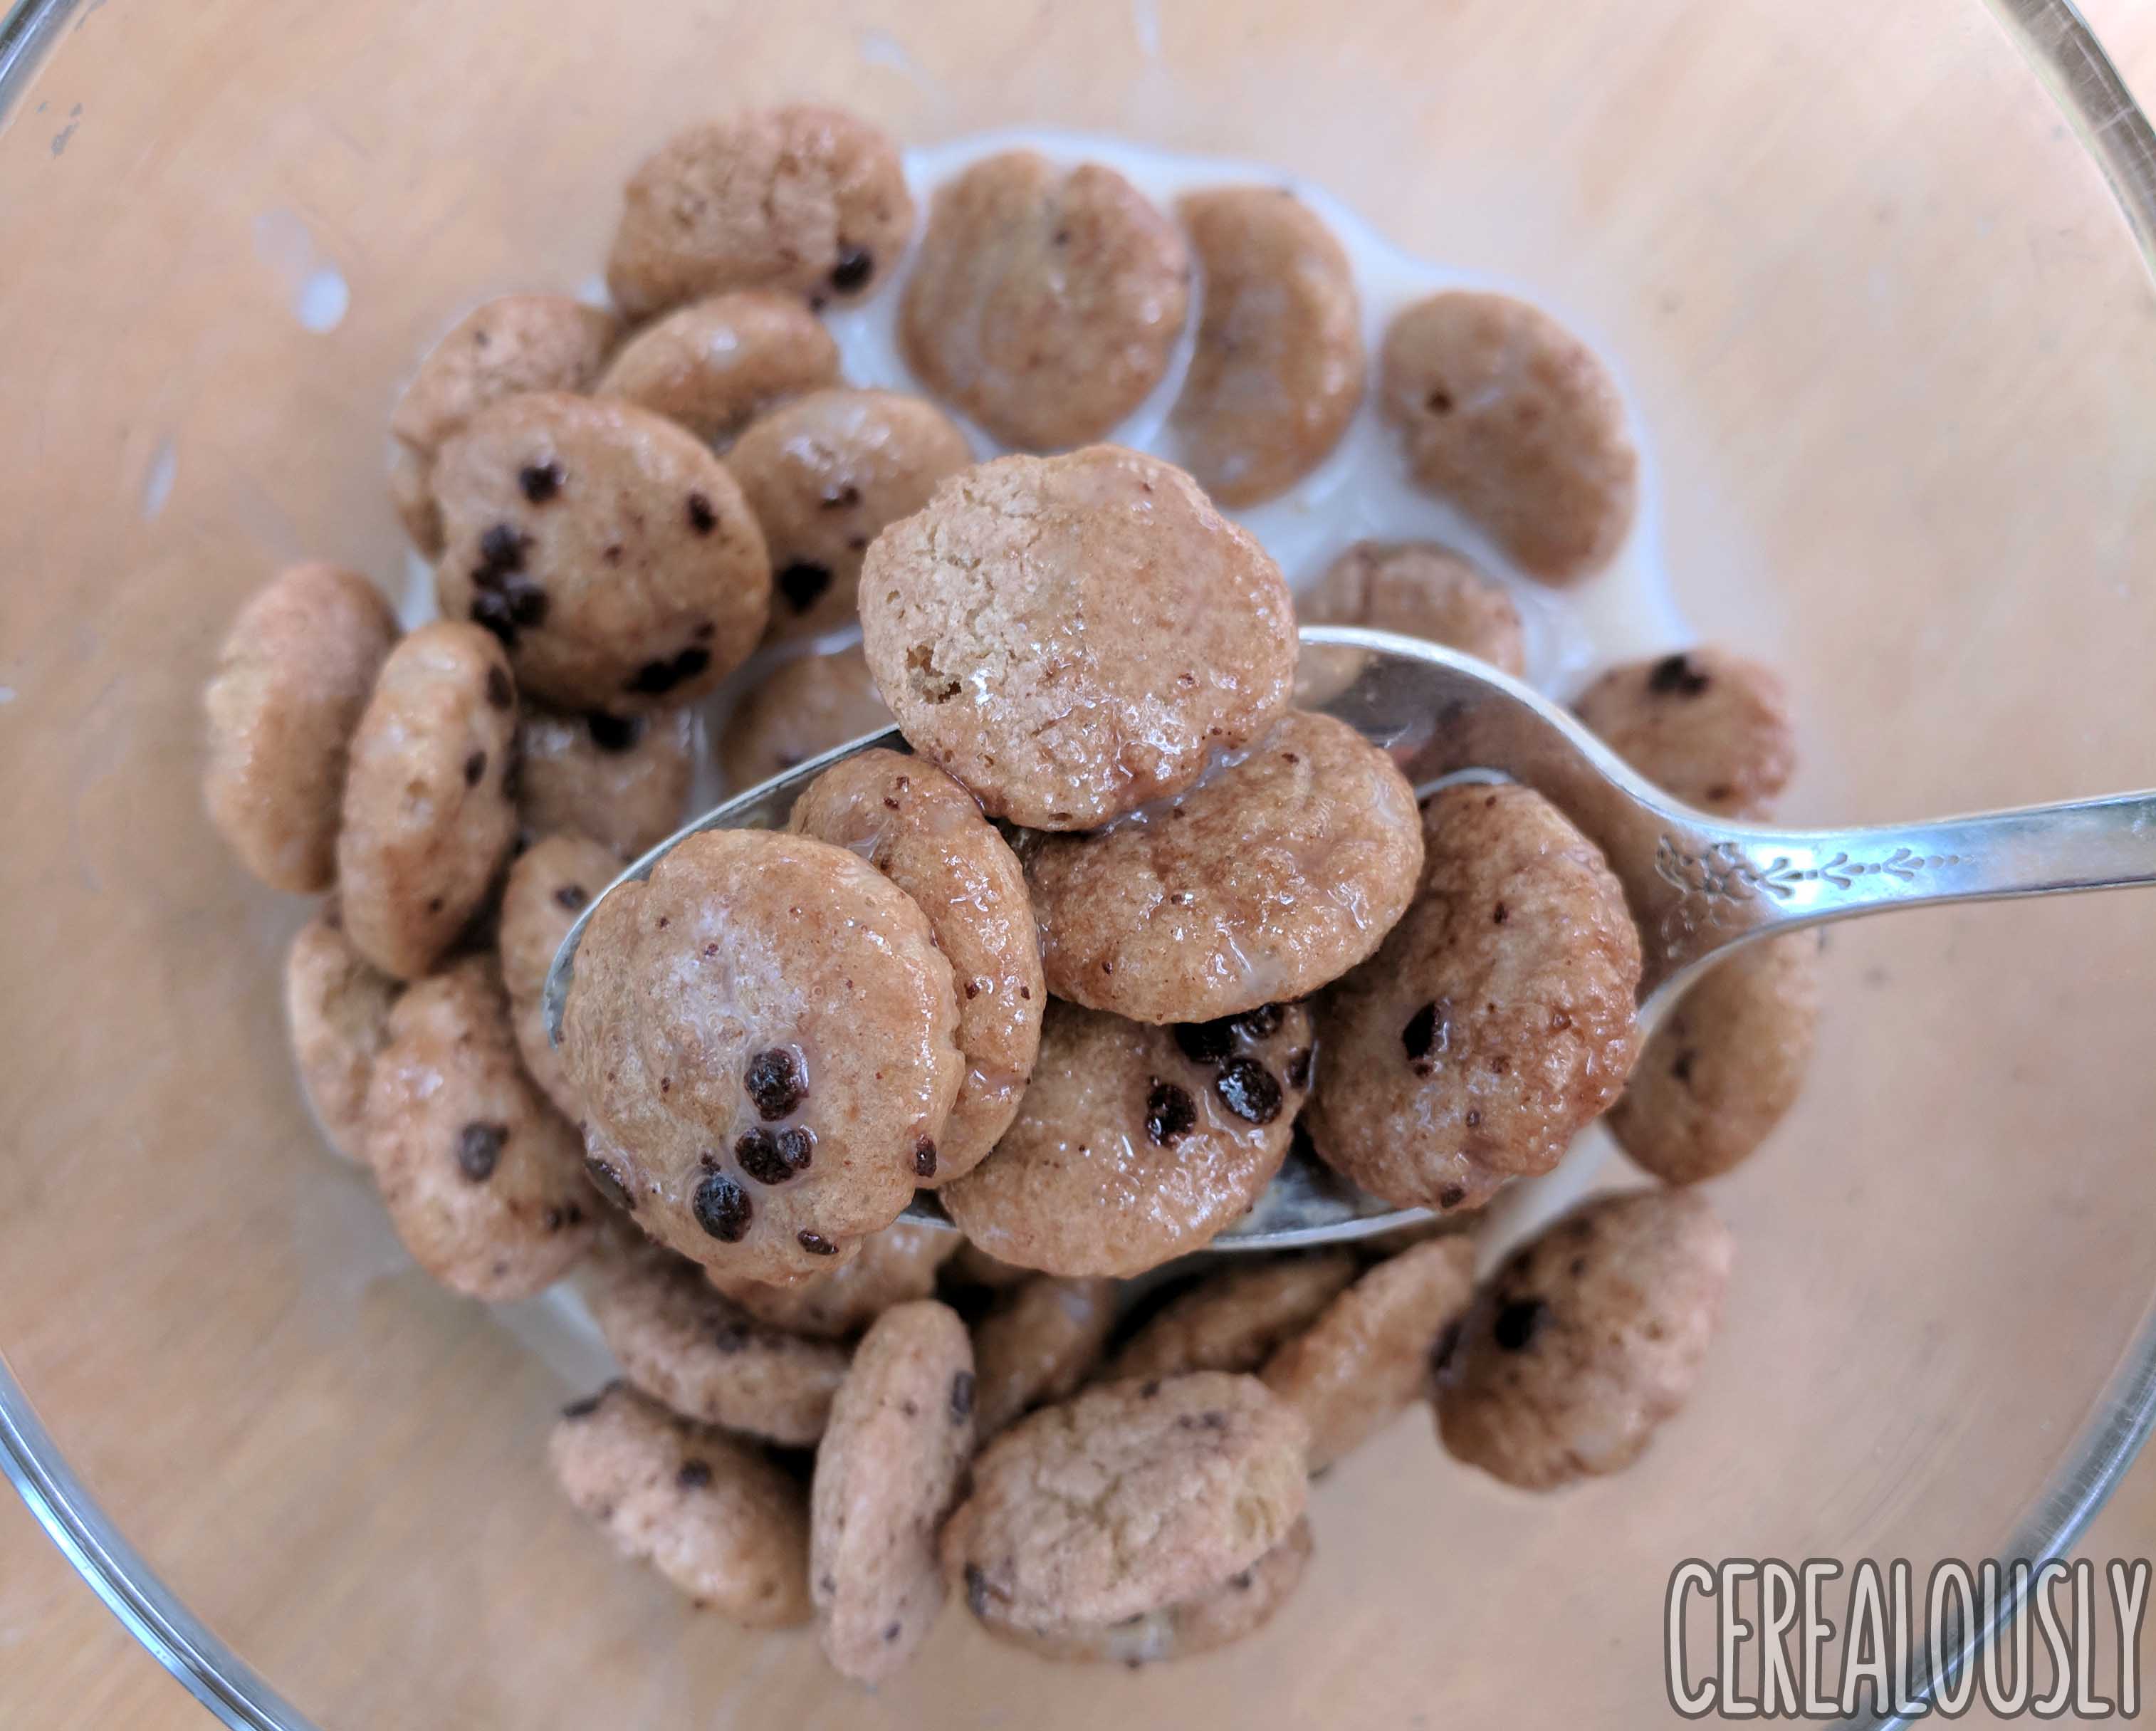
1586, 1339
291, 681
887, 1469
607, 548
1712, 727
716, 1518
427, 818
717, 364
1269, 878
764, 1034
1038, 1342
1419, 589
1233, 1320
1073, 636
552, 882
799, 710
1496, 1020
621, 780
823, 474
1045, 301
802, 199
894, 1266
337, 1006
1508, 415
1277, 371
481, 1177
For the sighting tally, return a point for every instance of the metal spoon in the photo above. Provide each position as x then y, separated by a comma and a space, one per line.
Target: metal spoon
1699, 887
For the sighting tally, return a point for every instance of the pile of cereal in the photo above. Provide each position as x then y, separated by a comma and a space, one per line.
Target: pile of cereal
1120, 927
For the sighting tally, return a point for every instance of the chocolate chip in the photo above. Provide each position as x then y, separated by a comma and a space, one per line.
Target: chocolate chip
1299, 1063
609, 1184
489, 612
572, 897
499, 693
1241, 1582
924, 1158
478, 1146
655, 679
1148, 1389
540, 481
1676, 676
1206, 1042
693, 1475
1500, 914
1261, 1023
1474, 1117
977, 1590
1439, 402
501, 551
1170, 1113
475, 768
527, 604
773, 1158
585, 1408
1681, 1069
856, 266
816, 1244
962, 1397
802, 583
844, 498
773, 1081
1452, 1195
723, 1208
1420, 1036
891, 1631
701, 517
613, 732
1250, 1090
1517, 1323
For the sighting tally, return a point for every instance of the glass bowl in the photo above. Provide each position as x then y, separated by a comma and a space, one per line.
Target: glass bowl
1895, 341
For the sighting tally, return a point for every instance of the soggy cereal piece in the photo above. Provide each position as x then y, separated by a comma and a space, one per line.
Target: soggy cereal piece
501, 348
1511, 418
1073, 636
799, 710
1038, 1342
894, 1266
1711, 726
1134, 1143
1728, 1063
621, 780
427, 819
1046, 301
823, 474
1366, 1357
1586, 1339
1277, 371
1495, 1022
1233, 1319
763, 1034
552, 882
801, 199
717, 1518
291, 681
1130, 1499
1419, 589
923, 832
482, 1179
608, 549
336, 1004
1273, 875
717, 364
887, 1469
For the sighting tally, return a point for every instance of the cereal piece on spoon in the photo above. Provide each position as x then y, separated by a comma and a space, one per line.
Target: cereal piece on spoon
552, 882
1037, 1343
1711, 726
1419, 589
800, 709
621, 780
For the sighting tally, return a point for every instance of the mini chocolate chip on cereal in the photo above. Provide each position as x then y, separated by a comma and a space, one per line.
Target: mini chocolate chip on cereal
1420, 588
336, 1004
716, 1518
621, 780
551, 883
1511, 418
1365, 1358
923, 831
1495, 1022
717, 364
1586, 1339
501, 348
1272, 877
823, 474
1711, 725
803, 199
1233, 1319
291, 681
1276, 374
1128, 1499
887, 1469
1136, 1142
763, 1034
802, 708
894, 1266
482, 1179
1045, 301
635, 578
1037, 1343
427, 819
1073, 636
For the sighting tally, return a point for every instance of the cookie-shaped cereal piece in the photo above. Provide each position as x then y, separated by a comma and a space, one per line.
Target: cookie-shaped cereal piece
1036, 1345
1366, 1357
621, 780
895, 1265
717, 364
805, 200
552, 882
1495, 1022
1135, 1143
1131, 1497
1420, 589
799, 710
700, 1353
1730, 1059
1712, 727
1511, 418
902, 1430
923, 832
336, 1004
1073, 636
501, 348
1267, 879
764, 1036
1586, 1339
1234, 1319
427, 818
823, 474
291, 681
1277, 371
482, 1179
718, 1519
608, 549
